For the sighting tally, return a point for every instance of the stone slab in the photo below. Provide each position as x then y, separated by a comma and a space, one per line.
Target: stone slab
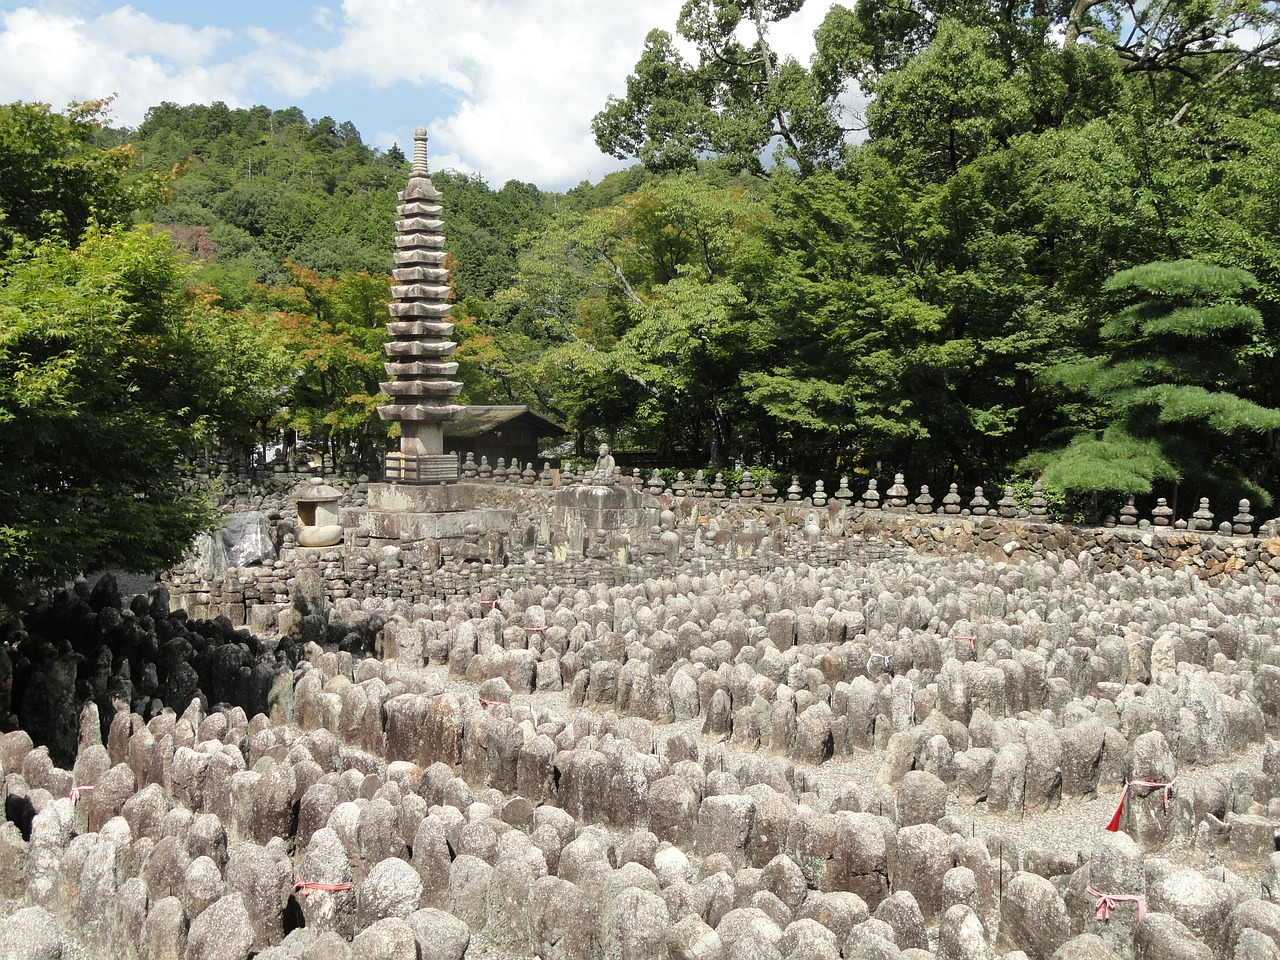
410, 527
579, 511
427, 498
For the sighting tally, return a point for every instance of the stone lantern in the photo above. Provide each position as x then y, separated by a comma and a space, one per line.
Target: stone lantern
318, 524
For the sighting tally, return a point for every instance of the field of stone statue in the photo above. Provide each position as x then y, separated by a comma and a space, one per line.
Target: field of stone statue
903, 758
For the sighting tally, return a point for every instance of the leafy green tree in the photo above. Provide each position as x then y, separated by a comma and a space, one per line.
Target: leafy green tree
55, 180
113, 368
739, 97
689, 333
332, 330
977, 70
1166, 387
947, 106
628, 321
547, 336
482, 227
913, 319
1202, 41
919, 283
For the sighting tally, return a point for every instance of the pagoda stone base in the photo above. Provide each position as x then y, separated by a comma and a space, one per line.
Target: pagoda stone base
411, 513
422, 468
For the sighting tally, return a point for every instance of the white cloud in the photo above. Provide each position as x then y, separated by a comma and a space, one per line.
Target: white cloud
530, 76
526, 78
323, 17
126, 29
282, 66
794, 35
58, 58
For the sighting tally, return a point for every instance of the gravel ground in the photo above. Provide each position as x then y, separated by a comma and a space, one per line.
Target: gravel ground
130, 584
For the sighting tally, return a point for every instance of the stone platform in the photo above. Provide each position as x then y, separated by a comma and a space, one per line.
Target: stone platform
410, 514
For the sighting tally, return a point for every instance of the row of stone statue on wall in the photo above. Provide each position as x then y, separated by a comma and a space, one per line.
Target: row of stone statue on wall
897, 498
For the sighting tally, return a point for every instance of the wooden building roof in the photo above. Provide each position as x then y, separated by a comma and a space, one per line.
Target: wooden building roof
477, 420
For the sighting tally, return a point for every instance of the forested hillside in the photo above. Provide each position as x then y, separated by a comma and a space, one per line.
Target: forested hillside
293, 219
970, 242
257, 188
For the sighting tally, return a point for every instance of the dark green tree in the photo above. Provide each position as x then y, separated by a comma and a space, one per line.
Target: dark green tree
1165, 388
948, 105
738, 101
113, 368
628, 321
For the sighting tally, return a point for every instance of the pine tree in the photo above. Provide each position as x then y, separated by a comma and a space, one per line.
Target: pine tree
1166, 386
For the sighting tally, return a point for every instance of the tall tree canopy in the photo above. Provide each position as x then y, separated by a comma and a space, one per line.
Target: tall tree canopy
113, 367
630, 320
959, 72
740, 99
929, 261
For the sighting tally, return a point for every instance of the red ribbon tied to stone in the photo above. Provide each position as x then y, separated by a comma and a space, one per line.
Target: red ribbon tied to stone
306, 886
1107, 902
75, 793
1114, 825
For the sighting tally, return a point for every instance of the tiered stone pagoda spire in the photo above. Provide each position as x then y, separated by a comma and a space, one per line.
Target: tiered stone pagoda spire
421, 386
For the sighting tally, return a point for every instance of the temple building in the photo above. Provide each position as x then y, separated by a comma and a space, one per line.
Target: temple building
512, 431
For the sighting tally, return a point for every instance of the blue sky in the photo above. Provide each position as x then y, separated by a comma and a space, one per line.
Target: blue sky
506, 88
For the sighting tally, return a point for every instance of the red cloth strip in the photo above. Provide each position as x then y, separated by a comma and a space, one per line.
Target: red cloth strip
1107, 902
535, 630
493, 703
74, 795
1114, 825
307, 887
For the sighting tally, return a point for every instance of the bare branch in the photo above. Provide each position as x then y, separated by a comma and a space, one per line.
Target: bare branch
622, 277
1075, 22
1237, 63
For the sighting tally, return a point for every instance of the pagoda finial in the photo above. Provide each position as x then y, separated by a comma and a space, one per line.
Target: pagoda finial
419, 168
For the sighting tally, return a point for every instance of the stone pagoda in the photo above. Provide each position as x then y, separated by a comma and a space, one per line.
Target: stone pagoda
422, 501
421, 386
